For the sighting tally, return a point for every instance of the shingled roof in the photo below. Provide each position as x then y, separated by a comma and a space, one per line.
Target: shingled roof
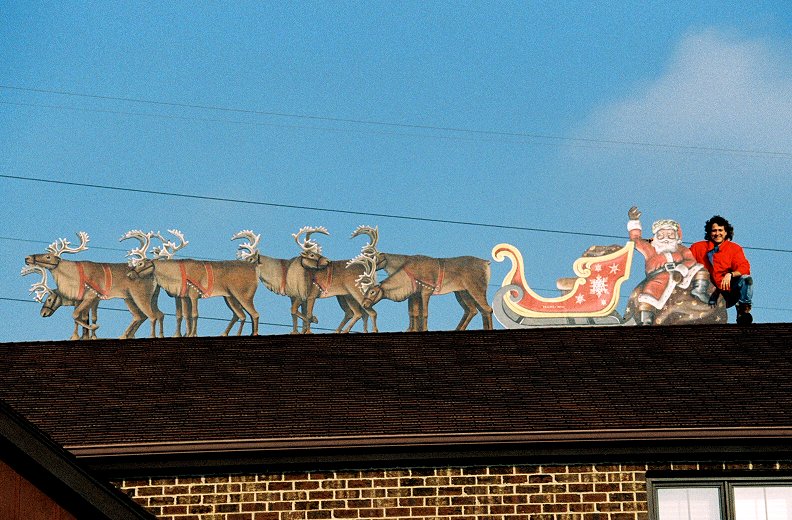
390, 391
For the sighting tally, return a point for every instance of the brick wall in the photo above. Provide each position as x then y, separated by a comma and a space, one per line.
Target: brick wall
574, 492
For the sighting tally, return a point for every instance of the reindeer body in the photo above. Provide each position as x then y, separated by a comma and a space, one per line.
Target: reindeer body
416, 278
339, 279
86, 283
290, 277
190, 280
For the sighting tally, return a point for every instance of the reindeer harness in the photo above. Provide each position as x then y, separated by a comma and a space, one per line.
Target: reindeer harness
435, 286
328, 280
204, 292
86, 283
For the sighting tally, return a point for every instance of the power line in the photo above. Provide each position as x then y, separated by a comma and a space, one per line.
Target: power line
265, 323
207, 318
332, 210
398, 125
302, 127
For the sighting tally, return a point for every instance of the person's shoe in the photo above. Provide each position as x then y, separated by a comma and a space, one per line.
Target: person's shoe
744, 314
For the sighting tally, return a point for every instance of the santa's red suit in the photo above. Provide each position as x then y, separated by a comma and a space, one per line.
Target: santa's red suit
664, 271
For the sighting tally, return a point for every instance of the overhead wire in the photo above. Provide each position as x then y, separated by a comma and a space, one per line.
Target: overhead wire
208, 318
371, 122
335, 210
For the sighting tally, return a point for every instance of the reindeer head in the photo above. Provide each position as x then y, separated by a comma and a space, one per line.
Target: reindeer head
248, 251
311, 254
53, 300
367, 281
139, 263
370, 249
52, 257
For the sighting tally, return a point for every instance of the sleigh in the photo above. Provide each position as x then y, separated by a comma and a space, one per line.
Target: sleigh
590, 297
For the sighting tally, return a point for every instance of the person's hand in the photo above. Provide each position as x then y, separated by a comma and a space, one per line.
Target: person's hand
634, 213
725, 284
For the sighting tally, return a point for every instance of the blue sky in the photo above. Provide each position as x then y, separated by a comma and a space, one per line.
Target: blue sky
554, 116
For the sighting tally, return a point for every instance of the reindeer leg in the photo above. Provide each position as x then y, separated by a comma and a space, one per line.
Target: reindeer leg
79, 316
86, 317
373, 315
148, 308
425, 295
357, 312
193, 317
159, 316
236, 309
347, 312
75, 335
480, 300
308, 306
469, 309
137, 319
181, 310
413, 304
246, 302
94, 311
295, 303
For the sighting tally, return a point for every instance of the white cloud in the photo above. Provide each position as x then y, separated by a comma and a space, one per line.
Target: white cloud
718, 91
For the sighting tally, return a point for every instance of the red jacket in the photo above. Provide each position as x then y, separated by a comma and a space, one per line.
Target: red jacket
730, 257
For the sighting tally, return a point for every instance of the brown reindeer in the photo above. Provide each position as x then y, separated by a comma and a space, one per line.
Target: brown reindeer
339, 278
416, 278
189, 280
289, 277
51, 301
85, 283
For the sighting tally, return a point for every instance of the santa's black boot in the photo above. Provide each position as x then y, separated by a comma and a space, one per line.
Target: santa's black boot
647, 318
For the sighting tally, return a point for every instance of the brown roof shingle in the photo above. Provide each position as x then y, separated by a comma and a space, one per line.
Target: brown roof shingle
381, 389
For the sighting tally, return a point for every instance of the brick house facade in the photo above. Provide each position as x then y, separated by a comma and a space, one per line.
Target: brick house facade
583, 424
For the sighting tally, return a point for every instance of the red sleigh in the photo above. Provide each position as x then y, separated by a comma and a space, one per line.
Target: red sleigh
592, 294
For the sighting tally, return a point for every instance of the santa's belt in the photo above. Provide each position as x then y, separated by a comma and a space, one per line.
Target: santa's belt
665, 268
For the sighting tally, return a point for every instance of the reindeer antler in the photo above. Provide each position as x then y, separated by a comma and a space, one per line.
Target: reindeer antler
137, 255
309, 245
168, 247
369, 276
249, 249
62, 245
39, 288
372, 233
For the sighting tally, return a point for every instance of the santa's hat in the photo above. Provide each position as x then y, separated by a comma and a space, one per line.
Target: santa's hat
667, 224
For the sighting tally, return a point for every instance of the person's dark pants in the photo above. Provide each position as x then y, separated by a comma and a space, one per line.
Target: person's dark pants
740, 294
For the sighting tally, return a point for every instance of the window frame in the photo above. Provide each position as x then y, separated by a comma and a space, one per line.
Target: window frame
724, 483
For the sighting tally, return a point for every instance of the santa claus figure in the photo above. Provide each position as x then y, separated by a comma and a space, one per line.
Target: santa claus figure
669, 265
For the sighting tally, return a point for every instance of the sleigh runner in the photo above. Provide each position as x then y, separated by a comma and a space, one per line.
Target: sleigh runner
591, 297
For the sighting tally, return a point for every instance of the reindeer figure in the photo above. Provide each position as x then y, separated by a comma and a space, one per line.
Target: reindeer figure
416, 278
289, 277
85, 283
54, 301
339, 279
189, 280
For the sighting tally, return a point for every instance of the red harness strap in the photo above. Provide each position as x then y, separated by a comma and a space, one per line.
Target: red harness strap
328, 279
434, 286
92, 285
205, 292
284, 271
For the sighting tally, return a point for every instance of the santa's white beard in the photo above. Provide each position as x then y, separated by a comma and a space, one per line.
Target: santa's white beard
665, 246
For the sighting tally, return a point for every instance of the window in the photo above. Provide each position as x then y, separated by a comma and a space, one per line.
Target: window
720, 499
